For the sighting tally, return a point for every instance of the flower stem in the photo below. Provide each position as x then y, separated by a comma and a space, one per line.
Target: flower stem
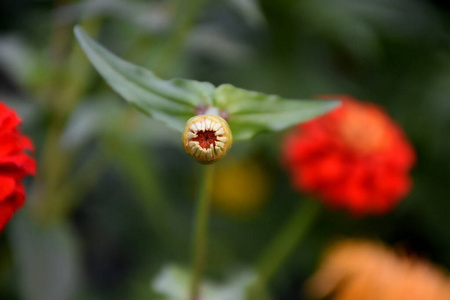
201, 230
287, 240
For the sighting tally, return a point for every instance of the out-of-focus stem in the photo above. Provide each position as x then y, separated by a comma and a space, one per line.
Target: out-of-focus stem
201, 230
70, 79
287, 240
187, 13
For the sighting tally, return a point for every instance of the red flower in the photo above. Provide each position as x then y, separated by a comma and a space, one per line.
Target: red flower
355, 157
14, 164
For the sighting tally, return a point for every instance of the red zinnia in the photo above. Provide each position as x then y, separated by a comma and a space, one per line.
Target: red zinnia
355, 157
14, 164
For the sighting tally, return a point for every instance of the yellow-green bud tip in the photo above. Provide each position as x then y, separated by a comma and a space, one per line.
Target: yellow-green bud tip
207, 138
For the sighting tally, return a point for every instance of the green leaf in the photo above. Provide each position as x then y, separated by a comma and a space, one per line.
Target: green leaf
175, 101
171, 101
250, 113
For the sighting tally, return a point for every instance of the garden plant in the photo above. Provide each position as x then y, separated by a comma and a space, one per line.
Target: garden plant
224, 150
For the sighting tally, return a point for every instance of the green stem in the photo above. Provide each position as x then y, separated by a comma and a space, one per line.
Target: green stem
201, 230
68, 84
286, 242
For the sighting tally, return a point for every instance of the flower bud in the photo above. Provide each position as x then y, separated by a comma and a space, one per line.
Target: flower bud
207, 138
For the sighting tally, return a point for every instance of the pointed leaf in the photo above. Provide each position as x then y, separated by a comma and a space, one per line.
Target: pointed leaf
250, 113
171, 101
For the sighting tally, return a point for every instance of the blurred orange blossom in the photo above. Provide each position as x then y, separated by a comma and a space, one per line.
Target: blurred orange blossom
364, 270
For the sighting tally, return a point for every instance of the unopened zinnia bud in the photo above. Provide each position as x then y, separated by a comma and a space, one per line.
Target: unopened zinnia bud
207, 138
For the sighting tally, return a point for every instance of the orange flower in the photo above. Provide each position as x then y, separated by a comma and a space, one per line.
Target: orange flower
355, 157
365, 270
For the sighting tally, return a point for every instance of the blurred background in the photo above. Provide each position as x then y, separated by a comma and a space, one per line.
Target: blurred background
112, 203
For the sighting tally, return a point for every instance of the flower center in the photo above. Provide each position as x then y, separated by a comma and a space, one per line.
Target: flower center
364, 128
206, 138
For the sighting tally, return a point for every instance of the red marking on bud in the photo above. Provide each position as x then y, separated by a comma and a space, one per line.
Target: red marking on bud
205, 139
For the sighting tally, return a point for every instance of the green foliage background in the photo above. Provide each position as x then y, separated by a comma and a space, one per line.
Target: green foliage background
103, 215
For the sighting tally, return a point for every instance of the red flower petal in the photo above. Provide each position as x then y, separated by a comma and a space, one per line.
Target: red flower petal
6, 212
15, 163
7, 186
17, 166
11, 204
8, 119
